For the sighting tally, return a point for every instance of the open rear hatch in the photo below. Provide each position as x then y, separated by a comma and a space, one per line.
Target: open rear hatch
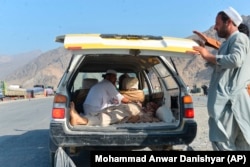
97, 52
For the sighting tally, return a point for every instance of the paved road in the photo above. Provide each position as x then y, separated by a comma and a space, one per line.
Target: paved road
24, 132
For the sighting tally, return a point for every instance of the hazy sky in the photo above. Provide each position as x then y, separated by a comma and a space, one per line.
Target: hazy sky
27, 25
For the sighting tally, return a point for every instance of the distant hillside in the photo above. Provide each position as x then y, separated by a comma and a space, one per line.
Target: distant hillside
48, 68
10, 63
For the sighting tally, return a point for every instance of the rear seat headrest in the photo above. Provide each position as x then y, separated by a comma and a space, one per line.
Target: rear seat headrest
87, 83
130, 83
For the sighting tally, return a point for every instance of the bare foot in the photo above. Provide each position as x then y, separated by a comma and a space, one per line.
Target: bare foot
75, 118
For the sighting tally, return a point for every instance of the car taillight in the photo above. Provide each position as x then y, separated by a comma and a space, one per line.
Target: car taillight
188, 107
58, 113
187, 99
189, 113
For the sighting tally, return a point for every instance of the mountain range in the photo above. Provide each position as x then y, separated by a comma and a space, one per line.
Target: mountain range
45, 69
10, 63
28, 69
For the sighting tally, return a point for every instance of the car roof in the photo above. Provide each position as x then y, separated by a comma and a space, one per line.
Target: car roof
116, 41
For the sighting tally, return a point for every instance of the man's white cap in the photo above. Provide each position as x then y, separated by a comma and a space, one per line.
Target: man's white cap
110, 71
233, 15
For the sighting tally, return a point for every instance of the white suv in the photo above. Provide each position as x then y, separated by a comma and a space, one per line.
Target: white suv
146, 57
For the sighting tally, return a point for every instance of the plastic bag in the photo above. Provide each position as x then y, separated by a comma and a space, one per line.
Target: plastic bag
62, 159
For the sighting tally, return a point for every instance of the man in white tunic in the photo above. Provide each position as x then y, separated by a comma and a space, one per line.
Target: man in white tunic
103, 94
104, 105
228, 98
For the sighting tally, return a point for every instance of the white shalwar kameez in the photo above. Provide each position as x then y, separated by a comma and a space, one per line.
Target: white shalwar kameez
228, 100
102, 95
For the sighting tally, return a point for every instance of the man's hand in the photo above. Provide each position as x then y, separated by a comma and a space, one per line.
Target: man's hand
205, 54
126, 100
201, 51
192, 52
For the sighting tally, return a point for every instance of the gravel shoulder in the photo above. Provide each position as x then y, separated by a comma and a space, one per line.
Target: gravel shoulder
201, 142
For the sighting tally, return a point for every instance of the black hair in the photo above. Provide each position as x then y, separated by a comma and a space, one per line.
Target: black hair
104, 75
224, 16
244, 29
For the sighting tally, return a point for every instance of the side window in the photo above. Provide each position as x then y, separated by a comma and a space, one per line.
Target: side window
167, 77
154, 81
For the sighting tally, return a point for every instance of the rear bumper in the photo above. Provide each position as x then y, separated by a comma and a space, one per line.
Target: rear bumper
148, 138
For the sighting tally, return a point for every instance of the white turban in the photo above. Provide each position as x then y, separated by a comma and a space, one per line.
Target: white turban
110, 71
233, 15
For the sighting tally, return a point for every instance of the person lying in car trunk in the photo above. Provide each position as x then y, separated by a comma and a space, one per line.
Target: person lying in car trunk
124, 113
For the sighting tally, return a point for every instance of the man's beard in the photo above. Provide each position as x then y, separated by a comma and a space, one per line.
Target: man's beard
223, 33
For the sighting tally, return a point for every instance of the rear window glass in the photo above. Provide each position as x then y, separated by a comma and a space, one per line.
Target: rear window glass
78, 82
81, 75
